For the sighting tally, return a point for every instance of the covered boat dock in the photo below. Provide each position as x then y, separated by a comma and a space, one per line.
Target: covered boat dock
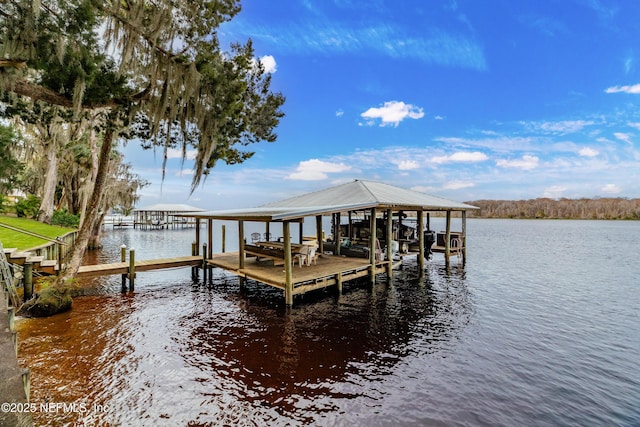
164, 216
272, 262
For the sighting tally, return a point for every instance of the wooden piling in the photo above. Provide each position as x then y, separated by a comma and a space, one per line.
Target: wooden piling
197, 236
59, 255
26, 382
337, 234
204, 263
132, 268
420, 230
319, 234
288, 291
241, 250
447, 239
28, 280
123, 258
389, 239
372, 246
210, 237
464, 237
224, 238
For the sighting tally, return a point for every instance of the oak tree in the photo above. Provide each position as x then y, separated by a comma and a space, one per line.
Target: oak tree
147, 69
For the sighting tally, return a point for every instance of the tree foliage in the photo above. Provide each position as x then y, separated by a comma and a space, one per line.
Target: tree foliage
10, 166
153, 64
600, 208
150, 69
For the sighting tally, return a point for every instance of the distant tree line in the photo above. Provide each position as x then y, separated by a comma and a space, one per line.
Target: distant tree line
600, 208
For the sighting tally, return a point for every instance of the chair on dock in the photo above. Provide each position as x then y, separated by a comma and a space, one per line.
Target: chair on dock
312, 256
301, 256
267, 237
306, 255
255, 237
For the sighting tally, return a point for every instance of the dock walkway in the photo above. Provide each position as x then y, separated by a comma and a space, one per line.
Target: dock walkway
142, 265
12, 377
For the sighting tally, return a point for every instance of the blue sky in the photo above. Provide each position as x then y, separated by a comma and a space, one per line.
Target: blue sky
468, 100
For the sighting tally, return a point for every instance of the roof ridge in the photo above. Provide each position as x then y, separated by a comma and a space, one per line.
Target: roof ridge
362, 183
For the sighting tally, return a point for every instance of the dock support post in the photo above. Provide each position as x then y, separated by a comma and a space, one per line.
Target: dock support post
28, 280
372, 246
123, 258
132, 268
464, 238
59, 255
301, 230
389, 239
197, 236
210, 238
337, 233
339, 283
26, 383
319, 234
421, 253
288, 290
204, 263
447, 240
241, 250
224, 238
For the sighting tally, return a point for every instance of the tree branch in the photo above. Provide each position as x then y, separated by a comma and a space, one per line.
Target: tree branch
15, 63
24, 88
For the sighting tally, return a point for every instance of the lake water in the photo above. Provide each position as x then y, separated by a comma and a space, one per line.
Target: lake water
542, 327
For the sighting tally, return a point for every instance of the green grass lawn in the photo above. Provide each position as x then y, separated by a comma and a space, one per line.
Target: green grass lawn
22, 241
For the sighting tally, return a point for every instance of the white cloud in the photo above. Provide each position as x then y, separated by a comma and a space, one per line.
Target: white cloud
527, 162
185, 172
635, 125
560, 127
424, 189
316, 170
392, 113
333, 37
461, 156
339, 113
173, 153
498, 143
633, 89
438, 118
611, 189
588, 152
624, 137
458, 185
555, 191
406, 165
269, 63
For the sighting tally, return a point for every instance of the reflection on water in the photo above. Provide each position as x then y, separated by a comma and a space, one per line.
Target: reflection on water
197, 354
521, 336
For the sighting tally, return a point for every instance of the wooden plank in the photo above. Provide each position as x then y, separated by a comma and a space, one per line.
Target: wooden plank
305, 278
143, 265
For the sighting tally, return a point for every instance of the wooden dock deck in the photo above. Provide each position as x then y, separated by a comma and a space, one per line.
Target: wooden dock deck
142, 265
327, 271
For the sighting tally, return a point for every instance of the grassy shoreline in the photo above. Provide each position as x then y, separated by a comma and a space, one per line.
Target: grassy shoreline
21, 241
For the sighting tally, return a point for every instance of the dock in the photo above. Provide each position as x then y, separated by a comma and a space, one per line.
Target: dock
14, 380
374, 213
329, 270
139, 265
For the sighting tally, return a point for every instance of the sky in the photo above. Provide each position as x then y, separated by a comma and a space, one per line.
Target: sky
468, 100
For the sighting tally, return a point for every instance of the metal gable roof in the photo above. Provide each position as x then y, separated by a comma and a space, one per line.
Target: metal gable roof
350, 196
169, 207
361, 192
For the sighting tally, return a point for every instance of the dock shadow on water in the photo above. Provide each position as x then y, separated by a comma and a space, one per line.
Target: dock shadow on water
184, 352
